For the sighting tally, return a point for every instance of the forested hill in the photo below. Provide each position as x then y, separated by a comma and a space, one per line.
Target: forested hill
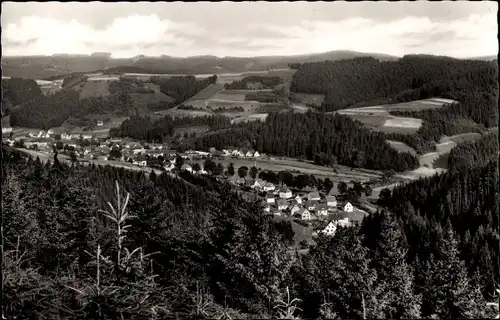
189, 253
15, 91
412, 77
326, 139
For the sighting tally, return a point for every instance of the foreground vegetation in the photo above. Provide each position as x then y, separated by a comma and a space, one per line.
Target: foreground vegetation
79, 245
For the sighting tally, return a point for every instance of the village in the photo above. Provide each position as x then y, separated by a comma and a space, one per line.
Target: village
323, 212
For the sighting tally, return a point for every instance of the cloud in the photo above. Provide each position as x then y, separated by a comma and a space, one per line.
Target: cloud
472, 35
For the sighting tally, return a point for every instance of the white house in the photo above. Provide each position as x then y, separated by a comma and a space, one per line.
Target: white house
237, 153
298, 199
249, 154
6, 129
256, 154
187, 167
87, 137
142, 163
285, 193
225, 153
268, 186
50, 131
31, 134
293, 208
257, 183
267, 209
304, 214
313, 196
348, 207
282, 204
100, 123
41, 134
321, 210
270, 198
201, 171
330, 229
331, 201
169, 167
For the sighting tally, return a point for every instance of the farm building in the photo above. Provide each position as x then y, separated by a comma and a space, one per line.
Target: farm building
304, 214
270, 198
282, 204
348, 207
331, 201
249, 154
293, 208
142, 163
321, 209
298, 199
313, 196
237, 153
100, 123
285, 193
267, 208
256, 154
268, 186
311, 205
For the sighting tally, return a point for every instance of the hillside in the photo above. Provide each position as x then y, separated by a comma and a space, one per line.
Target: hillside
48, 67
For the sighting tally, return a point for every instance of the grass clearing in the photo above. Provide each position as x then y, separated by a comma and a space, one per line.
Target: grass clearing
225, 96
207, 93
93, 89
459, 138
307, 98
401, 122
401, 147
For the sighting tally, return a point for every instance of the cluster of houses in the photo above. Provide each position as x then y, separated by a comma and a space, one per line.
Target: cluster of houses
309, 207
240, 153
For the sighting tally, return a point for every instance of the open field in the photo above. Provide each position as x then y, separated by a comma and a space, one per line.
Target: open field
401, 147
378, 117
223, 95
459, 138
207, 93
174, 112
145, 98
306, 98
93, 89
253, 117
244, 91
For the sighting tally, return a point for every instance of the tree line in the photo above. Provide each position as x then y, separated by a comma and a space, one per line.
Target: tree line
309, 135
15, 91
182, 88
52, 110
346, 82
144, 128
196, 249
269, 82
474, 153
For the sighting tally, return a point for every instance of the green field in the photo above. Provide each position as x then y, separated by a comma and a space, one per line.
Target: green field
401, 147
306, 98
93, 89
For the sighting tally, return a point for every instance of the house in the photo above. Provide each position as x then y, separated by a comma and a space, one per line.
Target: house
201, 171
249, 154
330, 229
348, 207
321, 209
311, 205
313, 196
293, 208
270, 198
237, 153
169, 167
285, 193
87, 137
256, 154
6, 129
138, 151
50, 132
40, 134
32, 135
187, 167
100, 123
282, 204
141, 163
268, 186
304, 214
253, 183
103, 158
298, 199
267, 208
331, 201
226, 153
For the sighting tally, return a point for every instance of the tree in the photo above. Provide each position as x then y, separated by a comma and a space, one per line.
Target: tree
328, 185
358, 188
368, 190
115, 153
73, 156
253, 172
384, 197
242, 171
230, 169
342, 187
57, 136
179, 161
209, 165
395, 288
219, 169
196, 167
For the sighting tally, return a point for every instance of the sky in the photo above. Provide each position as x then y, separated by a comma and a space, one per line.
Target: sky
459, 29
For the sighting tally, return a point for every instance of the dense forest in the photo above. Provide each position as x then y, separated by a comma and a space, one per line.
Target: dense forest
16, 91
308, 135
164, 248
51, 110
144, 128
182, 88
474, 153
266, 81
412, 77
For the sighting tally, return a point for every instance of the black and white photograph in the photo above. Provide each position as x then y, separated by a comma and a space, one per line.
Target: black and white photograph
250, 160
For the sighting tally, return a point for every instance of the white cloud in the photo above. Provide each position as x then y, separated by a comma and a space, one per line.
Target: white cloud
150, 35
